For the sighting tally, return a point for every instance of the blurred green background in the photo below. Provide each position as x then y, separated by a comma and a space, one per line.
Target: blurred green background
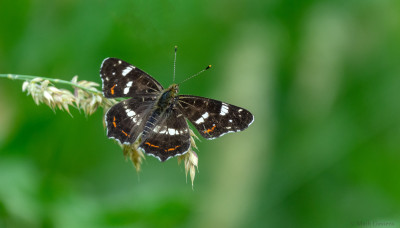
321, 77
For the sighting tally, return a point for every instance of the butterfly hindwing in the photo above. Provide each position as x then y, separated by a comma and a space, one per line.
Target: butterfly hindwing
214, 118
169, 137
125, 120
121, 79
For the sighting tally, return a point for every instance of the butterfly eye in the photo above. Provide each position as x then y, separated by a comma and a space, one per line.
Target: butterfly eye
176, 88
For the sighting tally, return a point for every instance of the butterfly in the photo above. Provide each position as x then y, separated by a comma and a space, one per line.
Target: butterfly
159, 116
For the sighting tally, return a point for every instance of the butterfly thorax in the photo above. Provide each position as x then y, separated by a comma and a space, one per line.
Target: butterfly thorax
167, 98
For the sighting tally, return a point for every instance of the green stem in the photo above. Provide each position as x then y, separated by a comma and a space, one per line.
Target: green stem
30, 77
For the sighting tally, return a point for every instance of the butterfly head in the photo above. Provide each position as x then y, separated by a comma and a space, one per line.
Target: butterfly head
174, 90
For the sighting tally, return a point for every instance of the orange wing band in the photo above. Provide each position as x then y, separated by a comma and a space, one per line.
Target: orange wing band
112, 89
210, 130
115, 125
171, 149
151, 145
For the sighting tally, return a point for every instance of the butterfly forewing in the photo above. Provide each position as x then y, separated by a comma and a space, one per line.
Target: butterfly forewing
125, 120
169, 137
121, 79
214, 118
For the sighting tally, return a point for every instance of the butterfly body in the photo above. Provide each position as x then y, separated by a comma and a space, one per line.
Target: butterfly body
163, 107
158, 116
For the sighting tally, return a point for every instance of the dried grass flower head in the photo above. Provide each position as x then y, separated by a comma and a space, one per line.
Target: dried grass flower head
189, 159
86, 99
42, 91
85, 96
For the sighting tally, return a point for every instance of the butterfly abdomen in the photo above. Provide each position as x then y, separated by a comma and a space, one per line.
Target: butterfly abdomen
150, 123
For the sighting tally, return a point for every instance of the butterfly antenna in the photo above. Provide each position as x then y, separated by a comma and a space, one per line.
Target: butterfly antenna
176, 48
208, 67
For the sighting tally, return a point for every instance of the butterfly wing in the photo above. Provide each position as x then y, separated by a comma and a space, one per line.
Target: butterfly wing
125, 120
214, 118
169, 137
121, 79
